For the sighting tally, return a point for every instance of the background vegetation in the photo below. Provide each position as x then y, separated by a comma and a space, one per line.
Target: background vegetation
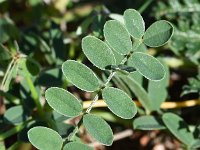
37, 36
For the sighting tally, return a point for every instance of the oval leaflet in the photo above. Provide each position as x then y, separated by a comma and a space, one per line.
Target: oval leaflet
63, 102
98, 128
80, 75
98, 52
119, 102
45, 138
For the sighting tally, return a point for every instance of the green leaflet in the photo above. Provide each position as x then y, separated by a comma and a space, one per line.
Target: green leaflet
147, 65
80, 75
98, 52
119, 103
134, 23
98, 128
158, 33
15, 115
178, 128
148, 123
76, 146
63, 102
117, 37
45, 138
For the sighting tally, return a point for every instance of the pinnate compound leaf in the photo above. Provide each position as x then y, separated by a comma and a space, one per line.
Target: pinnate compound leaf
134, 23
80, 75
147, 65
158, 33
63, 102
178, 128
45, 138
98, 128
117, 37
119, 102
76, 146
148, 123
15, 115
98, 52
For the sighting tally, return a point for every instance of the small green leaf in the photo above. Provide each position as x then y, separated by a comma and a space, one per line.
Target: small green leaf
63, 102
98, 128
158, 33
45, 139
134, 23
15, 115
148, 123
98, 52
117, 37
147, 65
119, 102
80, 75
178, 128
76, 146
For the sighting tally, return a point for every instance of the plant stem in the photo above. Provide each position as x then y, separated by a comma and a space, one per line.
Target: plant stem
7, 73
92, 103
144, 6
35, 96
12, 131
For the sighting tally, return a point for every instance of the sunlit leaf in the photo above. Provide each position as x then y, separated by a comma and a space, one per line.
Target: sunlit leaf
98, 128
147, 65
119, 102
45, 138
98, 52
63, 102
117, 37
158, 33
80, 75
134, 23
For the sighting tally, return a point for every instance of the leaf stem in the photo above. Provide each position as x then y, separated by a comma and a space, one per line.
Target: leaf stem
144, 6
7, 73
35, 96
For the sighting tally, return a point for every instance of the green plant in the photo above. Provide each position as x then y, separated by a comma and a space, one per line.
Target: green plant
123, 39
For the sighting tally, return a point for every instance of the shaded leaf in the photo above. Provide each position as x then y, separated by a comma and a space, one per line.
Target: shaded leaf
45, 138
15, 115
119, 103
76, 146
80, 75
139, 91
134, 23
98, 52
117, 37
178, 128
158, 33
4, 53
148, 123
63, 102
147, 65
98, 128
